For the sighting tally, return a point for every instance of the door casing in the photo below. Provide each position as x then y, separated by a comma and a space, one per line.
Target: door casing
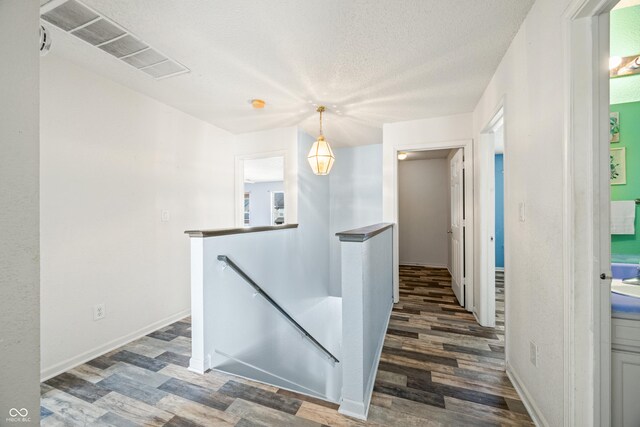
467, 146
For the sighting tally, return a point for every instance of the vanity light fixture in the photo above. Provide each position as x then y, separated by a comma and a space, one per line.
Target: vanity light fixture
626, 66
321, 156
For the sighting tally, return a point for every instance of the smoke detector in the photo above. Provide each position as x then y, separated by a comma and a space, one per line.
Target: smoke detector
45, 41
83, 22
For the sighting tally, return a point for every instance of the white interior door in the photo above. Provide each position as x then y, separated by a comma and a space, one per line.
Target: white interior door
457, 226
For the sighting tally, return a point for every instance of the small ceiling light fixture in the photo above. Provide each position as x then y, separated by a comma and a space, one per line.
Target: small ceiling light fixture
321, 156
402, 156
257, 103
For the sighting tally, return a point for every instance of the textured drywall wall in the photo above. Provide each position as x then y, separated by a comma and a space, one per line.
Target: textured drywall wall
423, 197
534, 131
111, 161
19, 227
625, 41
630, 139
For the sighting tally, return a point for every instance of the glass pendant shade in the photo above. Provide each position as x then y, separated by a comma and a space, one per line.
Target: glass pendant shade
321, 157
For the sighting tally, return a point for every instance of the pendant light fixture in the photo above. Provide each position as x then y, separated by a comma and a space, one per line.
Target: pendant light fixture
321, 156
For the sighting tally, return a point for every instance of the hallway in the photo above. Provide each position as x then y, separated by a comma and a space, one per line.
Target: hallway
437, 368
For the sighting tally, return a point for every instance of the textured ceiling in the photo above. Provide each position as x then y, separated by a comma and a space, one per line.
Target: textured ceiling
378, 61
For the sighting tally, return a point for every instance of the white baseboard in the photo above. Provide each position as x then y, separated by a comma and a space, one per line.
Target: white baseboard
527, 400
424, 264
78, 360
360, 410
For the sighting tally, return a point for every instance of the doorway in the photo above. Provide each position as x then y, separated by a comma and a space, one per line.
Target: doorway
491, 290
261, 190
434, 208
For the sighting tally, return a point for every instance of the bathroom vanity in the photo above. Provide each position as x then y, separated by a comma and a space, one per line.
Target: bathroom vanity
625, 360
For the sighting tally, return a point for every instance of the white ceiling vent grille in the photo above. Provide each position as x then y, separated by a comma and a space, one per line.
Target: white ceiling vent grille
88, 25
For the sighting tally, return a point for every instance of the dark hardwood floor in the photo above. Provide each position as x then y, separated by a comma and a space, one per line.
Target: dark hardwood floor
438, 368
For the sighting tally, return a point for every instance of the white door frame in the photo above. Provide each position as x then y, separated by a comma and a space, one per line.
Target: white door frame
467, 146
239, 183
485, 307
587, 322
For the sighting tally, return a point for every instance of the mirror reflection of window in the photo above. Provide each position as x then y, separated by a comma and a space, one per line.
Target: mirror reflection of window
277, 212
247, 214
264, 192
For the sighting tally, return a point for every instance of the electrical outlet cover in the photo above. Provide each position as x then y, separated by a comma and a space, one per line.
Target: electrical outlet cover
98, 312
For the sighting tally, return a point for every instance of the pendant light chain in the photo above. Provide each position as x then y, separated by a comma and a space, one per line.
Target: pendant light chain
321, 110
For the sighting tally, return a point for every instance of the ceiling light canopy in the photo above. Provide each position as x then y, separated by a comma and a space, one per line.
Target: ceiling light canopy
321, 156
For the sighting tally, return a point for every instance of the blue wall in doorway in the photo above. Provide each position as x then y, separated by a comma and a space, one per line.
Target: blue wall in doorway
499, 170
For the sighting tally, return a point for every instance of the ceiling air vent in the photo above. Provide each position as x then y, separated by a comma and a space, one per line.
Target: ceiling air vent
90, 26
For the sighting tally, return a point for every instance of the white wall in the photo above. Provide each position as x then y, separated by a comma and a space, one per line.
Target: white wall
19, 228
423, 195
356, 197
111, 161
530, 82
260, 201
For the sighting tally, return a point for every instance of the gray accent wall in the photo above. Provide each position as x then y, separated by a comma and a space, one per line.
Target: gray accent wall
423, 198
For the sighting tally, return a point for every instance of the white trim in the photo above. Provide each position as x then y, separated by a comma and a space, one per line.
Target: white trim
535, 413
587, 319
485, 308
75, 361
467, 146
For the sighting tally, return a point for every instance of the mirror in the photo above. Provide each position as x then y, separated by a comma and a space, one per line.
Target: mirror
263, 192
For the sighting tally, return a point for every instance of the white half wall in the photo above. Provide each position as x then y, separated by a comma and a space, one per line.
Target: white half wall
112, 160
19, 223
423, 194
356, 198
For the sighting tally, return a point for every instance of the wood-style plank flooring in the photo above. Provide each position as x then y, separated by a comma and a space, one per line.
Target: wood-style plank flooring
438, 368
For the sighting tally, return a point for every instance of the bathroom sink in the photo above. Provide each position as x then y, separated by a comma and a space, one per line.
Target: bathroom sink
621, 288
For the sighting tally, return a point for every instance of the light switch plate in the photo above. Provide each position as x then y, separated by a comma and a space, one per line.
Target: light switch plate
521, 210
165, 216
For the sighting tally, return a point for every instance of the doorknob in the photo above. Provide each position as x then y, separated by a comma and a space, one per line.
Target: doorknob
449, 232
492, 238
604, 276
